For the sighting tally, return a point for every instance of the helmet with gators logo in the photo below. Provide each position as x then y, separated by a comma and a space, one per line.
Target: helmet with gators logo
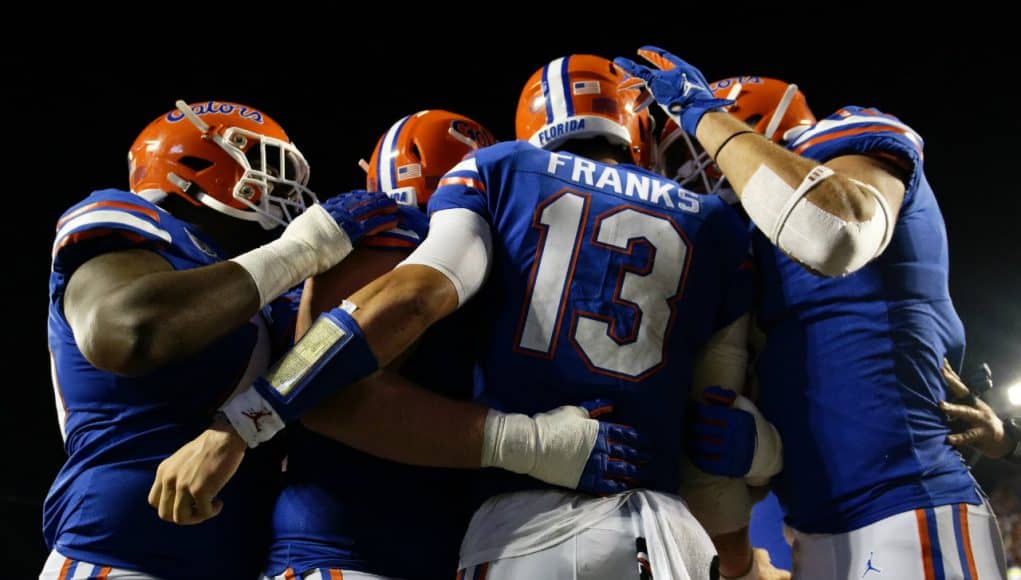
230, 157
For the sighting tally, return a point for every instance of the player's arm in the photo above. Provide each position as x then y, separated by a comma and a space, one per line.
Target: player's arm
831, 218
131, 312
723, 504
388, 416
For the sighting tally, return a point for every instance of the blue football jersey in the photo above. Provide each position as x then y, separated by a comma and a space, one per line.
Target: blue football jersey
341, 508
117, 429
605, 281
850, 374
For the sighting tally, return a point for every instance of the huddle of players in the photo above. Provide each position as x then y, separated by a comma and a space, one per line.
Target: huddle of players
864, 454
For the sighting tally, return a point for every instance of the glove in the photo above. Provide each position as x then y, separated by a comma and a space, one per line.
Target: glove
617, 461
567, 447
679, 88
721, 439
362, 213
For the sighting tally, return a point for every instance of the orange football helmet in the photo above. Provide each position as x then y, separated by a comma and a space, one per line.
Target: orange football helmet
772, 107
229, 157
412, 156
576, 97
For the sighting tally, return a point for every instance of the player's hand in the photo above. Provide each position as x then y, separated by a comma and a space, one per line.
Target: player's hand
983, 430
619, 459
766, 570
679, 88
721, 439
188, 481
761, 568
362, 213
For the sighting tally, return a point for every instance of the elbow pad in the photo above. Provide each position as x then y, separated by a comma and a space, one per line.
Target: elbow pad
818, 239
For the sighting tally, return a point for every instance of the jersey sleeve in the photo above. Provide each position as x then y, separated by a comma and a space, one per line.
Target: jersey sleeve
107, 221
412, 226
861, 131
462, 187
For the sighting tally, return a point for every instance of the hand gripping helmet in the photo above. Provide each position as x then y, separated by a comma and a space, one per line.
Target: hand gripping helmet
576, 97
412, 156
772, 107
229, 157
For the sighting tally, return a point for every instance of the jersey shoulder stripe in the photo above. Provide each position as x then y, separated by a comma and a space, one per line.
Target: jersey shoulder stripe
110, 212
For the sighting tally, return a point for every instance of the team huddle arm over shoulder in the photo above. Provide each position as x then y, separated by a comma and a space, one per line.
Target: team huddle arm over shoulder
129, 309
833, 218
374, 326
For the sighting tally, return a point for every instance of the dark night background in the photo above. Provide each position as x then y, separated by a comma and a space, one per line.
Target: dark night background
75, 115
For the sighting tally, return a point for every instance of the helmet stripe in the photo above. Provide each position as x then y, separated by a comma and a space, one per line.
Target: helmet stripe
566, 83
385, 166
554, 89
545, 93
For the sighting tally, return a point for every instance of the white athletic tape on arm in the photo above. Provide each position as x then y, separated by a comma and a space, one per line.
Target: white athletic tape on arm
723, 361
768, 458
816, 238
311, 244
552, 447
460, 247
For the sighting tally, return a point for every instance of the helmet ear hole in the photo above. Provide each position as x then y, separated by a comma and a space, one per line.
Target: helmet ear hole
195, 163
415, 152
753, 120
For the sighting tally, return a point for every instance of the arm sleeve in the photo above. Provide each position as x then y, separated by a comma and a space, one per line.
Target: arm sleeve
460, 247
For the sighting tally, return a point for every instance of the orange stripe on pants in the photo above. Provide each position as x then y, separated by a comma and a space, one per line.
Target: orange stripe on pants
962, 515
923, 538
64, 569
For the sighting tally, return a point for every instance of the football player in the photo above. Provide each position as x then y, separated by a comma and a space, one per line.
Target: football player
344, 512
163, 299
852, 250
605, 282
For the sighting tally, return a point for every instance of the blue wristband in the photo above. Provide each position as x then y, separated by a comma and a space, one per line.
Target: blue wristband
330, 356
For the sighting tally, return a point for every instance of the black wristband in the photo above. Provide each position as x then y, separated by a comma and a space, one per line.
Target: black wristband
727, 140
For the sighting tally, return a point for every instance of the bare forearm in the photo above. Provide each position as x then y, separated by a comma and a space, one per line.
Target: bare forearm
397, 308
743, 154
390, 417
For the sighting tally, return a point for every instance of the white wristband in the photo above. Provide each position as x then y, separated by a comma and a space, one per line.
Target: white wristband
252, 417
312, 243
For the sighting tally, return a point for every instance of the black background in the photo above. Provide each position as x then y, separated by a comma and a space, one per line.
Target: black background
68, 120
